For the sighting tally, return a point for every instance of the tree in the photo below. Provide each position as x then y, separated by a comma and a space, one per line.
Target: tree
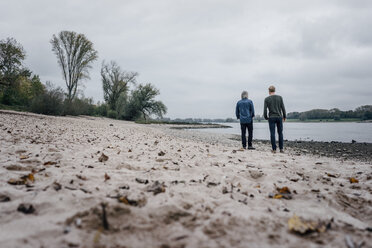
75, 54
12, 55
142, 102
115, 82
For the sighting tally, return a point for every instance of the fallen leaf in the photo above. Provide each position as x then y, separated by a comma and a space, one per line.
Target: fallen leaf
81, 177
103, 158
156, 188
4, 198
299, 226
26, 208
225, 190
31, 177
161, 153
50, 163
107, 177
22, 180
284, 190
212, 184
332, 175
144, 181
57, 186
16, 181
15, 167
23, 157
278, 196
353, 180
86, 191
136, 203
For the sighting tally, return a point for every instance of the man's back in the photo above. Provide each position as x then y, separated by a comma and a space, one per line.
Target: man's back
245, 110
275, 105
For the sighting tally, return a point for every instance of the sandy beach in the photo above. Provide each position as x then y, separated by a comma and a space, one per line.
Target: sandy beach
98, 182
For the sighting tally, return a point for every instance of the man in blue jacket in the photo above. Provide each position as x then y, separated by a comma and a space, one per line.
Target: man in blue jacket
245, 112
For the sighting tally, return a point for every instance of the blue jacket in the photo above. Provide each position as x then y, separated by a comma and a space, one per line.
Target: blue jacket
244, 111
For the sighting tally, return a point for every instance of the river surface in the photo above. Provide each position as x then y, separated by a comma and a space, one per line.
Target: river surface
332, 131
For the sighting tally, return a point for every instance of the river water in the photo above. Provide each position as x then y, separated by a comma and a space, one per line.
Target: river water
318, 131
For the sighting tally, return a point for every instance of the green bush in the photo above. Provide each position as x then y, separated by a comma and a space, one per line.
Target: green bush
79, 106
101, 110
112, 114
50, 102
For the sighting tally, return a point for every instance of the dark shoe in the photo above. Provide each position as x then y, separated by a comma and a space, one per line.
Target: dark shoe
273, 151
281, 151
251, 148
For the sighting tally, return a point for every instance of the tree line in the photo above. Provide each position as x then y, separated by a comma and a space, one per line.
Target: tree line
21, 88
361, 113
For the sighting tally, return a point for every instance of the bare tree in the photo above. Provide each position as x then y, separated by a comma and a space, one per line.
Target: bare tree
115, 82
75, 54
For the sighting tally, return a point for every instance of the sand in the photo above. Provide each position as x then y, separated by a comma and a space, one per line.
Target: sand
161, 187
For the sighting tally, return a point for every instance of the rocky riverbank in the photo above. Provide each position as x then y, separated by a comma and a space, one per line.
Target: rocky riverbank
345, 151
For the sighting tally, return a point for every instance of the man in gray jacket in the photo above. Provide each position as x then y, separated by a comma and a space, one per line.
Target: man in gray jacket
276, 117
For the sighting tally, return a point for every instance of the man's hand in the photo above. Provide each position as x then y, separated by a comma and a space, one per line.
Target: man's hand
284, 119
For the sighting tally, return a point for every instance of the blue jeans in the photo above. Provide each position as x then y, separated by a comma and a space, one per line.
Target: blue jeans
244, 127
278, 122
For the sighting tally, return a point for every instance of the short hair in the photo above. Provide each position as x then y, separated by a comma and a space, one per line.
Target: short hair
272, 88
244, 94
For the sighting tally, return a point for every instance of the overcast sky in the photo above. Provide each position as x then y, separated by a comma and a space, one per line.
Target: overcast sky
201, 54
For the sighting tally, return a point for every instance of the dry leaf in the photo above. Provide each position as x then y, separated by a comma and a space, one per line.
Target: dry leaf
278, 196
4, 198
22, 180
16, 181
57, 186
332, 175
107, 177
156, 188
353, 180
23, 157
26, 208
299, 226
81, 177
136, 203
31, 177
161, 153
140, 180
50, 163
295, 224
103, 158
284, 190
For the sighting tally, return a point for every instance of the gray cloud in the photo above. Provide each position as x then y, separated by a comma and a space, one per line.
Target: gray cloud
202, 54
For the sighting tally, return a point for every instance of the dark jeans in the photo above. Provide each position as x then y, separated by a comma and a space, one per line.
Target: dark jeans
278, 122
244, 127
